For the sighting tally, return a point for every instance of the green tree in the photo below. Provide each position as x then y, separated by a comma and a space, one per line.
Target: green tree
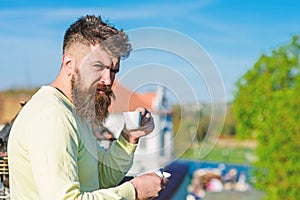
270, 74
279, 147
267, 107
203, 126
229, 128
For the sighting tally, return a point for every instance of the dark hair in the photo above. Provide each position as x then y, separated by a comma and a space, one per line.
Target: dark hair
91, 30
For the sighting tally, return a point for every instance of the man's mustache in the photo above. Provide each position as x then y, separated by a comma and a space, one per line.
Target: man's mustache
106, 89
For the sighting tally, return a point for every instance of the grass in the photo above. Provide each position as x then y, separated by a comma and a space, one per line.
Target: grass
227, 153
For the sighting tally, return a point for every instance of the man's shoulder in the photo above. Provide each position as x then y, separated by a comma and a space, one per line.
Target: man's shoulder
49, 97
47, 102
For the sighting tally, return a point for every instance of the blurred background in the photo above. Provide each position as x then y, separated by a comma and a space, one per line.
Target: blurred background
253, 47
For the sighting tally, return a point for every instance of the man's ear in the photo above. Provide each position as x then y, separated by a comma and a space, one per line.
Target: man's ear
68, 64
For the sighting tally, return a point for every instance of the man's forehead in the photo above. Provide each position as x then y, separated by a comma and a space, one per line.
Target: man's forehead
98, 53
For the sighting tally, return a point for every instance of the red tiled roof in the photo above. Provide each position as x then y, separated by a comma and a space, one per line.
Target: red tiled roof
127, 100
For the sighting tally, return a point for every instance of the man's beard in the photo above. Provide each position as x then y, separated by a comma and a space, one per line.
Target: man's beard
89, 103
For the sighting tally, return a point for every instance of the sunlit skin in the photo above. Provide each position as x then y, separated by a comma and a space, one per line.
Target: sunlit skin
98, 67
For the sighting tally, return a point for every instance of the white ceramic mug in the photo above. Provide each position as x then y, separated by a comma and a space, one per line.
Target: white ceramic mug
132, 120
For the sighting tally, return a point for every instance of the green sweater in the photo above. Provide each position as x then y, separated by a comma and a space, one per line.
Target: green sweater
53, 154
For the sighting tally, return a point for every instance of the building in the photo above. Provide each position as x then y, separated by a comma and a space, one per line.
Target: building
156, 149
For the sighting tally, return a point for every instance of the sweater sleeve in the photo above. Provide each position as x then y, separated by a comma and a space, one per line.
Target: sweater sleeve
54, 155
115, 162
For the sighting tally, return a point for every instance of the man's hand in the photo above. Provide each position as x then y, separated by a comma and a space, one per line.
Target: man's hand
147, 186
147, 126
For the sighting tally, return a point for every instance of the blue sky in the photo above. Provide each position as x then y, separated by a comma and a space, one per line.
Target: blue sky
232, 33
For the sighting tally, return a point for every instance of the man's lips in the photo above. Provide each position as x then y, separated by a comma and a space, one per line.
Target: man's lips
101, 92
104, 90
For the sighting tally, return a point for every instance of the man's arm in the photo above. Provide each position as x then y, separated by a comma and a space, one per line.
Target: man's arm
54, 160
115, 162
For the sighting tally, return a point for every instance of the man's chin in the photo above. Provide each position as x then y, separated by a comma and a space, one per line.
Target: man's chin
102, 114
102, 119
101, 94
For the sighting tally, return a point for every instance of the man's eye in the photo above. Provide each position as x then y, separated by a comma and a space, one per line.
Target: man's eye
99, 67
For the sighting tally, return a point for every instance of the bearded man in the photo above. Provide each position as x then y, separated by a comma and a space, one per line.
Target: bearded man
52, 151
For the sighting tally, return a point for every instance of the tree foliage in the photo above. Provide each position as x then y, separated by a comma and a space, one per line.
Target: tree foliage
267, 107
229, 128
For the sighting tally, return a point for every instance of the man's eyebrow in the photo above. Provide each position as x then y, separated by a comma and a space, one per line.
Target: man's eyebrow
99, 62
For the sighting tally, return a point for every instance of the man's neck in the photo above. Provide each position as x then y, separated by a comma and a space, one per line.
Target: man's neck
63, 89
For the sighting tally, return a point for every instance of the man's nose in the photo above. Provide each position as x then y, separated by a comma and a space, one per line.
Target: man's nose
105, 77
